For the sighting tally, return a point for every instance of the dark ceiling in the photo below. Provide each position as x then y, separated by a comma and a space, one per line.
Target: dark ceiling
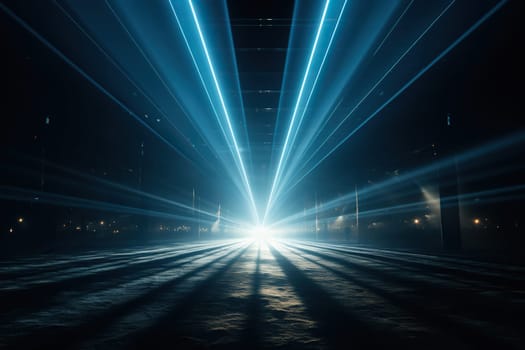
260, 32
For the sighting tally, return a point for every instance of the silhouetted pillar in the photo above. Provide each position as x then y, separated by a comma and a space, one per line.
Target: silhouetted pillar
193, 224
358, 234
450, 221
448, 189
316, 218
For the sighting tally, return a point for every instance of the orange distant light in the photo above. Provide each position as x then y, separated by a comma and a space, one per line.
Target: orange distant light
477, 221
416, 221
20, 220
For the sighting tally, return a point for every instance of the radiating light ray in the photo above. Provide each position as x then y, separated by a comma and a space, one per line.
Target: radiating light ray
119, 68
312, 89
126, 75
393, 27
226, 113
341, 123
487, 196
89, 78
199, 73
282, 88
139, 48
418, 75
294, 114
93, 82
212, 104
165, 84
464, 158
157, 74
289, 168
406, 52
246, 143
26, 195
493, 195
456, 42
312, 138
138, 192
150, 64
113, 186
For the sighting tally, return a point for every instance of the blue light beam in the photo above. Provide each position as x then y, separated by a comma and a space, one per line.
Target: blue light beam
225, 111
294, 114
298, 158
416, 77
341, 123
90, 79
402, 89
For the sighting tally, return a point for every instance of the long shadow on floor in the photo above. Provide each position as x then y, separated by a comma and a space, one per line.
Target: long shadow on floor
251, 337
25, 299
67, 338
340, 328
166, 331
447, 325
460, 301
493, 278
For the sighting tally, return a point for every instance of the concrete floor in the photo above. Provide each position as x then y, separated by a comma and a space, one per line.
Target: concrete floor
259, 294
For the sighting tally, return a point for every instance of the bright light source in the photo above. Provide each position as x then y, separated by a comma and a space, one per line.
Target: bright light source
260, 232
477, 221
20, 220
416, 221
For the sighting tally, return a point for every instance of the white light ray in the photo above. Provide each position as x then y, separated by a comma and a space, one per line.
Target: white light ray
294, 114
225, 111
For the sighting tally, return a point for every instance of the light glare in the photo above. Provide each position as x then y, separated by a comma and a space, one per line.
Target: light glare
260, 232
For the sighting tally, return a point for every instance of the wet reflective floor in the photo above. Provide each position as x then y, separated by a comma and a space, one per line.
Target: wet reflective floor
259, 294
